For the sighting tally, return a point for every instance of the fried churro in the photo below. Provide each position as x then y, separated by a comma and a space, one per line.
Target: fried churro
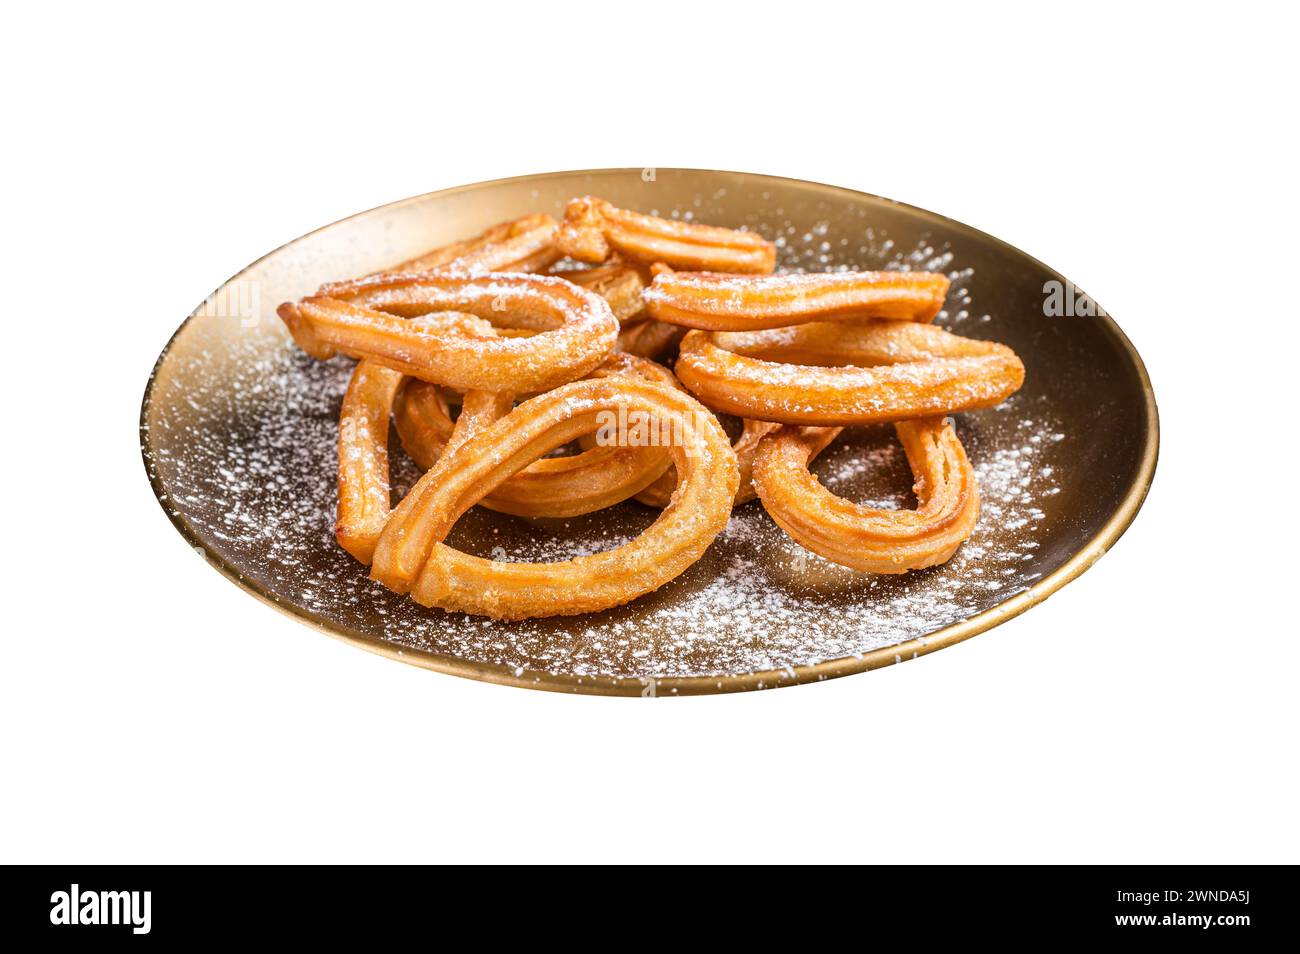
411, 556
713, 301
593, 229
868, 538
828, 374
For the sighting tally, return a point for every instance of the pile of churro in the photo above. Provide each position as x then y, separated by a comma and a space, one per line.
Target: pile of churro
628, 339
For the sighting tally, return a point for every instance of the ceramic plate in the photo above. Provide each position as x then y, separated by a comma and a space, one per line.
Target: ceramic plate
238, 431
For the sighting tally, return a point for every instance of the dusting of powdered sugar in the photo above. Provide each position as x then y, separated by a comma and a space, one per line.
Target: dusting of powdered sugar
249, 456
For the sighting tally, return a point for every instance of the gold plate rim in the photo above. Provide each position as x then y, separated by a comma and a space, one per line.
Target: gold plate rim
950, 635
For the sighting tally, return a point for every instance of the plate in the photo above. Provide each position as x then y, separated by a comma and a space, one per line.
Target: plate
238, 432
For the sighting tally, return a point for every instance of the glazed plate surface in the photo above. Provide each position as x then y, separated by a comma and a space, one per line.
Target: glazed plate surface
239, 430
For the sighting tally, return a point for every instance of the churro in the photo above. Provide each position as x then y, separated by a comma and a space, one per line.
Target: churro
364, 495
712, 301
593, 229
575, 328
566, 486
411, 555
828, 374
868, 538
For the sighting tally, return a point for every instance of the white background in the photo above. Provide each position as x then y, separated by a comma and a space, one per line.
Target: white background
154, 712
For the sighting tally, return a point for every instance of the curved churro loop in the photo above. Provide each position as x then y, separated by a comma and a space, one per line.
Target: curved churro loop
866, 538
363, 480
364, 490
523, 245
451, 346
479, 409
593, 228
364, 493
847, 373
578, 483
364, 476
411, 554
592, 479
620, 284
596, 478
713, 301
423, 414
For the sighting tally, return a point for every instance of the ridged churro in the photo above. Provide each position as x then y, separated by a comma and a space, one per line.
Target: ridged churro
829, 374
365, 319
593, 229
868, 538
411, 555
364, 494
713, 301
567, 486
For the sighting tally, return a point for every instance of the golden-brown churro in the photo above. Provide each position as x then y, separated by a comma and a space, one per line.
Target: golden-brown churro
364, 495
866, 538
647, 337
451, 345
411, 555
596, 478
846, 373
363, 478
593, 228
712, 301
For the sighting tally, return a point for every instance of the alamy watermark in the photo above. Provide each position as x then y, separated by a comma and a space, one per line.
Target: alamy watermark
1064, 300
633, 428
239, 300
126, 908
